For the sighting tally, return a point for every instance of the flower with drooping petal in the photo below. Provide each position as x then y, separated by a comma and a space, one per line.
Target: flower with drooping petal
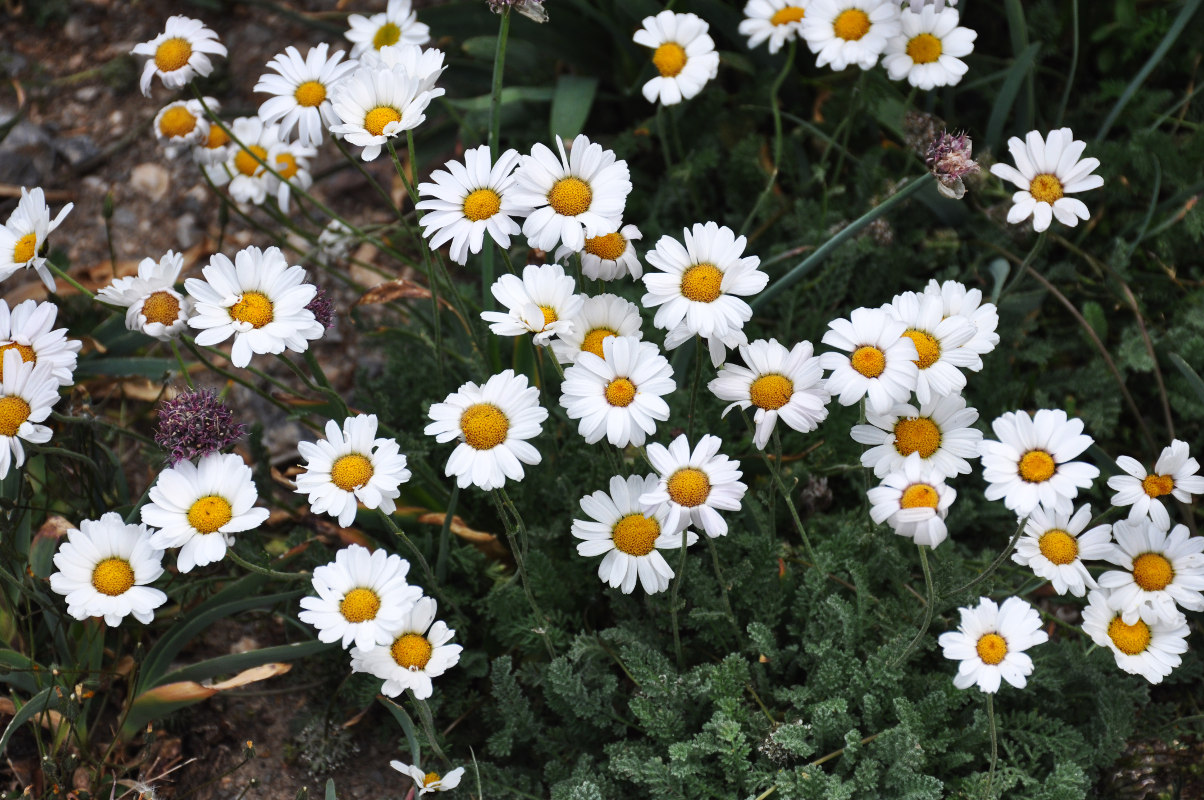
1054, 545
153, 306
23, 237
990, 644
682, 52
426, 782
300, 91
914, 500
417, 652
543, 302
1151, 650
104, 567
29, 329
1175, 473
179, 53
694, 485
599, 318
27, 393
775, 21
1047, 169
1031, 463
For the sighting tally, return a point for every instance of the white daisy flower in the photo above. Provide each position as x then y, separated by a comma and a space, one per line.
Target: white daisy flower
104, 568
212, 153
627, 537
179, 53
914, 501
608, 257
198, 507
182, 125
940, 343
542, 302
363, 598
250, 182
492, 423
682, 53
1048, 169
153, 306
1054, 545
423, 64
417, 652
1160, 569
376, 105
990, 644
619, 394
579, 195
939, 432
694, 486
1151, 650
698, 287
351, 465
956, 299
334, 242
23, 236
845, 32
291, 162
29, 330
881, 365
301, 91
1031, 463
258, 299
429, 781
1174, 474
775, 21
929, 49
397, 25
599, 318
468, 200
780, 383
27, 392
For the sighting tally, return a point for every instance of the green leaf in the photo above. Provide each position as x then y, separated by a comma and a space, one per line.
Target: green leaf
330, 795
512, 94
1006, 98
48, 699
571, 104
1093, 312
236, 662
144, 367
407, 727
17, 669
1193, 377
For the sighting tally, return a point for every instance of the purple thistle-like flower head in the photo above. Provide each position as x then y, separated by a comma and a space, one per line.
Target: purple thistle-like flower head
949, 160
196, 424
322, 308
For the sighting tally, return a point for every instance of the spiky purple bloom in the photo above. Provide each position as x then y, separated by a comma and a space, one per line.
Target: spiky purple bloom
196, 424
949, 160
323, 308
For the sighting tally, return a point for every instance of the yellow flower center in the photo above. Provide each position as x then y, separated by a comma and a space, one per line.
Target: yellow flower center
920, 495
786, 15
286, 165
917, 435
689, 487
1158, 485
376, 120
217, 137
868, 360
386, 35
570, 196
13, 412
113, 576
482, 204
1129, 639
549, 315
1058, 546
162, 307
924, 49
608, 248
669, 59
927, 346
25, 248
635, 534
1046, 188
1152, 572
27, 354
210, 513
991, 648
484, 426
351, 471
172, 54
702, 283
176, 122
245, 162
254, 308
310, 94
620, 392
593, 341
1036, 466
771, 392
411, 651
359, 605
851, 24
429, 778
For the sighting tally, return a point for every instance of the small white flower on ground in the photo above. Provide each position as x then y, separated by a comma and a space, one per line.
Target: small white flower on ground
775, 21
1048, 169
351, 466
429, 781
398, 24
334, 242
1054, 545
492, 424
179, 53
990, 644
376, 105
104, 568
1031, 463
600, 317
608, 257
846, 32
153, 306
301, 91
1161, 569
929, 49
940, 343
363, 598
780, 383
914, 501
618, 395
694, 486
1151, 650
199, 507
627, 537
417, 652
957, 299
27, 393
682, 52
466, 201
939, 431
29, 329
23, 237
1175, 473
182, 125
543, 302
881, 361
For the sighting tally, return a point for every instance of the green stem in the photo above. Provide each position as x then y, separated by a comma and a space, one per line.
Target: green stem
422, 563
428, 725
678, 579
928, 606
267, 573
495, 135
236, 379
513, 523
445, 535
994, 565
727, 604
700, 352
175, 348
775, 107
79, 287
994, 743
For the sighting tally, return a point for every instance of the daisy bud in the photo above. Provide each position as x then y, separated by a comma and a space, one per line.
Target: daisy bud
531, 9
196, 424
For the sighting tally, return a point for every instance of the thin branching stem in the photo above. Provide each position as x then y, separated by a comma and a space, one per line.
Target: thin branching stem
994, 565
929, 604
514, 525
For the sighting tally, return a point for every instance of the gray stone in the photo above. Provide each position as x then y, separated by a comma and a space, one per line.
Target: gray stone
150, 180
76, 149
188, 233
26, 156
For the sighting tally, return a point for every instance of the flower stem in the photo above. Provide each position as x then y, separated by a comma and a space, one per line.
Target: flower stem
175, 348
727, 604
428, 724
400, 534
677, 582
699, 354
513, 522
777, 135
495, 135
59, 271
267, 573
928, 606
994, 742
994, 565
445, 535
